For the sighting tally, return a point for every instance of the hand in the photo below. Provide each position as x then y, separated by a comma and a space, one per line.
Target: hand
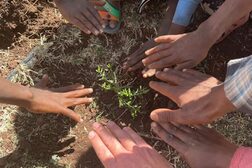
134, 61
44, 100
201, 147
184, 51
201, 98
82, 14
123, 148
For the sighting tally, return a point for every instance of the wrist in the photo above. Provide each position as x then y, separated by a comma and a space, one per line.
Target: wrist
209, 32
224, 105
25, 98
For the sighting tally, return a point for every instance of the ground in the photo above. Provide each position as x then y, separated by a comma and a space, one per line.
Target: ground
69, 56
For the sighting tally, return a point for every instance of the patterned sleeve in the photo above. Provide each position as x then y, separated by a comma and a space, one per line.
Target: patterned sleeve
238, 83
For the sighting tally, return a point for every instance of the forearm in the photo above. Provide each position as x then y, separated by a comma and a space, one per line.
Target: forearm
229, 12
11, 93
167, 21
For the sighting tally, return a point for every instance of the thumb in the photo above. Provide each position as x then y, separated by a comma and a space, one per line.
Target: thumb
43, 82
168, 115
71, 114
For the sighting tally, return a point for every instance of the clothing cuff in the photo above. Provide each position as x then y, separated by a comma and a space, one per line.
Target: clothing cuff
238, 84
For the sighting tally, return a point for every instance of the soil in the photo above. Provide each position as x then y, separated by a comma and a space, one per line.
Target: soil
44, 140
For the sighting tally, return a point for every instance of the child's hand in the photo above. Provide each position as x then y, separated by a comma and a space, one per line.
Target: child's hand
82, 14
44, 100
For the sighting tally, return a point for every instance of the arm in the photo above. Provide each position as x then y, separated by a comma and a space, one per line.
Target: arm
238, 83
228, 13
189, 49
44, 100
11, 93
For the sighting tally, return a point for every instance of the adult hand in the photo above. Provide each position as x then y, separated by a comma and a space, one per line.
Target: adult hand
201, 98
201, 147
183, 50
83, 14
123, 148
44, 100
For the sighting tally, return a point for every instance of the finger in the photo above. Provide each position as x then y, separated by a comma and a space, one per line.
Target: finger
94, 12
137, 139
187, 64
109, 140
78, 93
71, 114
81, 26
197, 74
184, 128
121, 135
163, 63
168, 138
177, 132
173, 76
83, 18
136, 66
43, 82
78, 101
149, 72
68, 88
158, 48
102, 151
166, 90
166, 39
93, 16
155, 57
163, 115
134, 58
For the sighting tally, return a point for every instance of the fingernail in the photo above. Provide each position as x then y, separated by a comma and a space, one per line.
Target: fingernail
144, 61
158, 73
90, 99
111, 123
154, 116
81, 120
96, 125
151, 83
96, 32
104, 26
88, 32
91, 135
81, 86
145, 76
153, 125
166, 69
90, 90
